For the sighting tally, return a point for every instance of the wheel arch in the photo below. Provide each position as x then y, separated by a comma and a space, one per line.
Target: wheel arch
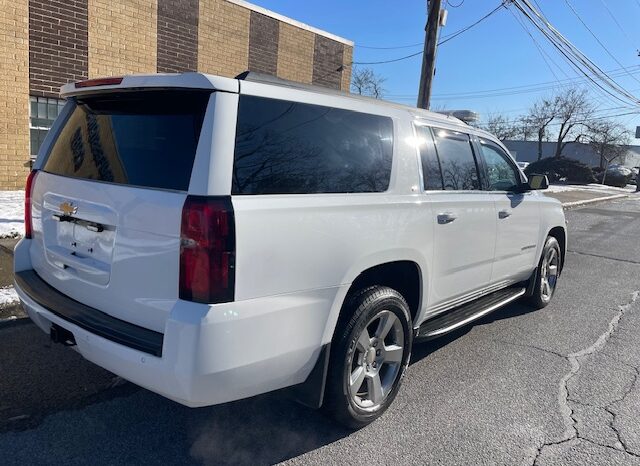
560, 234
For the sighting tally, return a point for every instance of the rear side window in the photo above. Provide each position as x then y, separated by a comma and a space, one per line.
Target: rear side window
145, 139
287, 147
459, 168
431, 173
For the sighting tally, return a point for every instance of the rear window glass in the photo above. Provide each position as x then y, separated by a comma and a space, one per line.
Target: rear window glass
287, 147
459, 169
146, 139
431, 174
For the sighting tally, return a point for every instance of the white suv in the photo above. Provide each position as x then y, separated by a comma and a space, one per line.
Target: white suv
211, 239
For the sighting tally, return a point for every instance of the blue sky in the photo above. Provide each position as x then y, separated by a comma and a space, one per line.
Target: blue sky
495, 54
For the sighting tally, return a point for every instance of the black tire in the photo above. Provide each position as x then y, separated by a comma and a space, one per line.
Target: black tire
539, 298
367, 309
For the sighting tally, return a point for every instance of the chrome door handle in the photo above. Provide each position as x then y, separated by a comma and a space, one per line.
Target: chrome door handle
446, 217
504, 214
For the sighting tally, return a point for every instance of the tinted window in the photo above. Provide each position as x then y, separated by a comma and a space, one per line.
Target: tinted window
501, 174
143, 139
287, 148
431, 174
459, 170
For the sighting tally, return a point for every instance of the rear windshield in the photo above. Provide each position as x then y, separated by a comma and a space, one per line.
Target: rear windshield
146, 139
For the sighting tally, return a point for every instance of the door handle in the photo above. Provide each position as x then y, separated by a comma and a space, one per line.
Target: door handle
504, 213
446, 217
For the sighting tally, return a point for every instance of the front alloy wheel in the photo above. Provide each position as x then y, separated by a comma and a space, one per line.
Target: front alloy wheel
547, 274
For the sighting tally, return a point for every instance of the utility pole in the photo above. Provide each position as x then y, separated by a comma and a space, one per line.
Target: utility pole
429, 55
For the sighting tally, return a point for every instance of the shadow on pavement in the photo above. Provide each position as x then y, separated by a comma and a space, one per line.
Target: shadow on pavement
80, 417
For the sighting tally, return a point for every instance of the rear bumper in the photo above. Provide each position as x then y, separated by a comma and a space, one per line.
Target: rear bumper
92, 320
209, 354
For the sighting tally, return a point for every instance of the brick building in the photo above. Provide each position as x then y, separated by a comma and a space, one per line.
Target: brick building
47, 43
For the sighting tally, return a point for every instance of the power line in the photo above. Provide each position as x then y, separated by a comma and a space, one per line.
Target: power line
563, 46
444, 38
615, 20
539, 87
577, 15
463, 30
384, 61
537, 45
390, 48
574, 56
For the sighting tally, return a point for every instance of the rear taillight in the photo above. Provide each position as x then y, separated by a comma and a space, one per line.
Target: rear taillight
28, 225
207, 250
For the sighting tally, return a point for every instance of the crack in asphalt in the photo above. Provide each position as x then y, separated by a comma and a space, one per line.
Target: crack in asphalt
524, 345
602, 256
571, 433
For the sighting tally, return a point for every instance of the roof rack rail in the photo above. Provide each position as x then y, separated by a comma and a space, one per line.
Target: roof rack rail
264, 78
254, 76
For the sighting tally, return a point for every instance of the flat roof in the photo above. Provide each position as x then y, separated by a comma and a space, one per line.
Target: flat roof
288, 20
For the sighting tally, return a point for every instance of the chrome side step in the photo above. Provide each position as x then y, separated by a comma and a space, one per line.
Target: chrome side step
460, 316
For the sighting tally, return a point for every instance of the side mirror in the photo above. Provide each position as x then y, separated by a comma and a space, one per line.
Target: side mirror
538, 181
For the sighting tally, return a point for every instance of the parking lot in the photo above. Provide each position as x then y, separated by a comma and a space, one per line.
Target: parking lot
556, 386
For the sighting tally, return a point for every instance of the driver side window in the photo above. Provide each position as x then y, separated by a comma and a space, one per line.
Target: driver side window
502, 175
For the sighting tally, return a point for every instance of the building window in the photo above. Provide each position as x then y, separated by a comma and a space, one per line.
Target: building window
42, 113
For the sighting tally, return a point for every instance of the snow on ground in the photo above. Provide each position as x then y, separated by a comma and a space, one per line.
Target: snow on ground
8, 296
11, 214
558, 188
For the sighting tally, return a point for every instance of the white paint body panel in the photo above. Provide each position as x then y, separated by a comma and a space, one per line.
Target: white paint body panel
296, 255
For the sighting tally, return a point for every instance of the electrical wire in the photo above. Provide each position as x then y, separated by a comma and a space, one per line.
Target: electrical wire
577, 15
455, 6
444, 38
615, 20
463, 30
537, 45
573, 55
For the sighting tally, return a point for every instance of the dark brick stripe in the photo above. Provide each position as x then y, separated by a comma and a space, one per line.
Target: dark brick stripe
177, 35
327, 62
263, 43
58, 44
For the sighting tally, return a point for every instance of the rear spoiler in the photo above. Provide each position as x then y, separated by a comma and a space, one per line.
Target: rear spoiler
157, 81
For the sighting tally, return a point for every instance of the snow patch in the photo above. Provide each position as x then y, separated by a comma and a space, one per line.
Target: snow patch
8, 296
11, 214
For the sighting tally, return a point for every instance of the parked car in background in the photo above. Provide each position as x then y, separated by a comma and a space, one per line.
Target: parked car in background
522, 165
211, 239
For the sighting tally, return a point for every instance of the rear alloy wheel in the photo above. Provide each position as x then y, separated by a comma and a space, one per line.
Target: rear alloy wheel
547, 274
369, 355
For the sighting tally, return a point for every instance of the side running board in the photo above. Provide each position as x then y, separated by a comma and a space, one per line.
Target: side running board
467, 313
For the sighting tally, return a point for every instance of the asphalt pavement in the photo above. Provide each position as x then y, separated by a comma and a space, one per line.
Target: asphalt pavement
551, 387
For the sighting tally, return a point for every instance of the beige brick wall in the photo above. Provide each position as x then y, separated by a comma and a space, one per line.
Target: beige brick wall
347, 58
223, 38
295, 53
14, 93
122, 37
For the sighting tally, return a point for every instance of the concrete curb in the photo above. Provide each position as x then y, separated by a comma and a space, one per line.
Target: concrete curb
569, 205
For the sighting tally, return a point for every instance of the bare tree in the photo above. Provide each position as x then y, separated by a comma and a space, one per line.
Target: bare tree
573, 108
569, 110
540, 116
366, 82
608, 139
501, 126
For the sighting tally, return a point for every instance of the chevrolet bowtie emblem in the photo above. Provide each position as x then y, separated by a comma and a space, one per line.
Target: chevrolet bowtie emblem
68, 208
